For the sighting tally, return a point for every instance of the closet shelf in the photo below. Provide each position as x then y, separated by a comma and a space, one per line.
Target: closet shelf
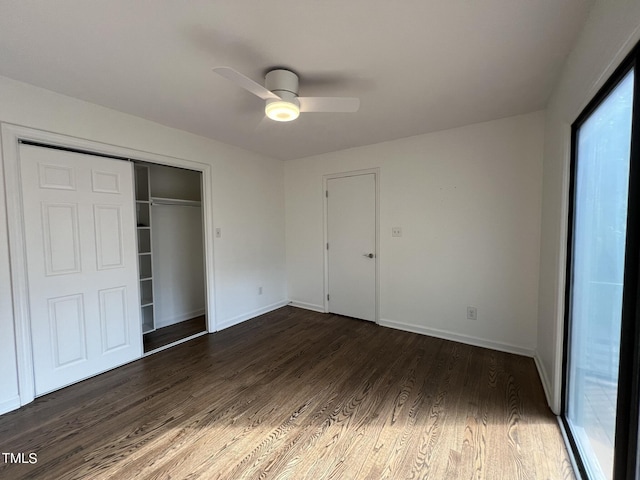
175, 201
144, 233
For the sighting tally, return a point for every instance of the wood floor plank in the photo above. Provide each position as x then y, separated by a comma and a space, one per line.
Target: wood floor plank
294, 395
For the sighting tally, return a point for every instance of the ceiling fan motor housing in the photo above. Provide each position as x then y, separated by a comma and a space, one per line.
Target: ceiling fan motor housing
283, 83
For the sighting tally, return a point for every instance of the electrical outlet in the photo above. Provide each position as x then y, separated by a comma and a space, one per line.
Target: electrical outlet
472, 313
259, 290
218, 232
396, 232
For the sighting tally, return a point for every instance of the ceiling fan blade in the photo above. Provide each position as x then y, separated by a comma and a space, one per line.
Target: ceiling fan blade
245, 82
329, 104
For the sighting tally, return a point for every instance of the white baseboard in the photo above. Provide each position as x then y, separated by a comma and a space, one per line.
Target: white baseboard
307, 306
546, 385
165, 322
249, 315
8, 405
456, 337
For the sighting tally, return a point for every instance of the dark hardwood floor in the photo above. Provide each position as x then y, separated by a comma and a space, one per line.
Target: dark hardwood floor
297, 395
167, 335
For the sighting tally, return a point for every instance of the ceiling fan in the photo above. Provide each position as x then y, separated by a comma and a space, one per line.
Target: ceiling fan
280, 93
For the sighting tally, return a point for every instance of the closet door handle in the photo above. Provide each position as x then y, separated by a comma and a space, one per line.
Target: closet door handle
368, 255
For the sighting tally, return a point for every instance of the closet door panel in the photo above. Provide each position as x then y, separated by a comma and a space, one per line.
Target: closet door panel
82, 264
109, 242
67, 330
113, 318
61, 241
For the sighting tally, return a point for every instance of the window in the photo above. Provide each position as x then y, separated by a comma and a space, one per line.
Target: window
599, 413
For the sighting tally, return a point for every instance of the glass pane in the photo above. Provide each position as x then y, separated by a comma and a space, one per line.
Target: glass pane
600, 215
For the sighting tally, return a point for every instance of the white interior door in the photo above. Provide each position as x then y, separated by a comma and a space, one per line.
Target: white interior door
81, 264
351, 233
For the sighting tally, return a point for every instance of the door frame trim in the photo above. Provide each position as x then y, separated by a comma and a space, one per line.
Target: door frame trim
325, 215
11, 136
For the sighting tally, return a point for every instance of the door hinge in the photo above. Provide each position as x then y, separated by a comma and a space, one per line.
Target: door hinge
327, 297
327, 246
326, 193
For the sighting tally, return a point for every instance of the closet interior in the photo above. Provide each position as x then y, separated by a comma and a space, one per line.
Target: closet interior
170, 254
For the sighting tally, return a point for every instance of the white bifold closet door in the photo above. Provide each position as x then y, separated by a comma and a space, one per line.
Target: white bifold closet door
81, 260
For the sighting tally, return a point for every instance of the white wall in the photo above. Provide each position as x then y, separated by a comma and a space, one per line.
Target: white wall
247, 195
171, 182
178, 264
609, 34
468, 201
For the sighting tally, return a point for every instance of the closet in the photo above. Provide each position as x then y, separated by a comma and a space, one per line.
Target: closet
170, 254
109, 257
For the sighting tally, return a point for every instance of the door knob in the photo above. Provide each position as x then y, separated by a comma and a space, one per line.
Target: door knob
369, 255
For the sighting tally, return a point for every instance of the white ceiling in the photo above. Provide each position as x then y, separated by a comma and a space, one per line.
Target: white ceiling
417, 65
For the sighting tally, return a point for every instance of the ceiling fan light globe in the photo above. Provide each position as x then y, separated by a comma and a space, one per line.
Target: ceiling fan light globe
281, 111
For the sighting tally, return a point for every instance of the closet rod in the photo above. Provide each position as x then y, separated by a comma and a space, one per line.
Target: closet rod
175, 201
74, 150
